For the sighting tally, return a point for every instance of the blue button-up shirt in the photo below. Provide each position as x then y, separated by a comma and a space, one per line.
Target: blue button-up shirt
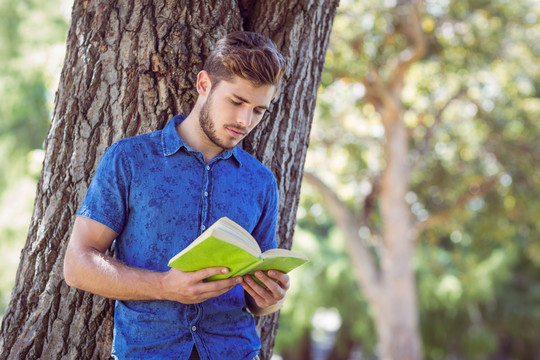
158, 194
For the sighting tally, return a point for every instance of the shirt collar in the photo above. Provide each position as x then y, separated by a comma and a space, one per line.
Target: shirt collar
172, 142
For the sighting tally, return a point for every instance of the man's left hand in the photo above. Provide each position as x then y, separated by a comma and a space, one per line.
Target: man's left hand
264, 301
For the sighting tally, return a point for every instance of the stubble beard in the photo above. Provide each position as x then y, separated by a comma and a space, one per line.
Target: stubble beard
207, 124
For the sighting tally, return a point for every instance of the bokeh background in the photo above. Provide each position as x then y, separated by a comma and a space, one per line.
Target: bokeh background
471, 106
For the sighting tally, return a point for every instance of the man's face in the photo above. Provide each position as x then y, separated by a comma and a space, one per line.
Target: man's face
232, 109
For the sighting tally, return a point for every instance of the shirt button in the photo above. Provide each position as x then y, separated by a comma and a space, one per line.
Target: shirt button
203, 227
206, 193
207, 167
193, 328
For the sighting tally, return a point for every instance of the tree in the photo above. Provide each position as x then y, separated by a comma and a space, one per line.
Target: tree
23, 83
129, 67
387, 280
25, 76
466, 135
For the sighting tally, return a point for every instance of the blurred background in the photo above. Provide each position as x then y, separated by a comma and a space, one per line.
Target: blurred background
471, 106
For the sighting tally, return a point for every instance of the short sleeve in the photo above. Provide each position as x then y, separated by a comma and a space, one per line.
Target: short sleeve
106, 200
265, 231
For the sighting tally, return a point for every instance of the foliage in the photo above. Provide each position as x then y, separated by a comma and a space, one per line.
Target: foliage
30, 31
471, 108
326, 281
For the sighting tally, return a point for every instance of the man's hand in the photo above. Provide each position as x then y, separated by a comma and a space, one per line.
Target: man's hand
88, 267
190, 287
264, 301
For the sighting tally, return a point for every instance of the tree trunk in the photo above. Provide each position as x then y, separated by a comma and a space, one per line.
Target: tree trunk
396, 310
130, 66
387, 282
389, 286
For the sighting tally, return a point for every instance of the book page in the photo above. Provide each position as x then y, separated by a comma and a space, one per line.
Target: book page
236, 234
283, 252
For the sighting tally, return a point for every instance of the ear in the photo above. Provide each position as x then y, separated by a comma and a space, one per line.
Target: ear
203, 83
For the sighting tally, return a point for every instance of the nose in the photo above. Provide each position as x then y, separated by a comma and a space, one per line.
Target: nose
245, 117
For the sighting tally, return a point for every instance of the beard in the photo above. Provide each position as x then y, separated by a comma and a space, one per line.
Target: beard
207, 124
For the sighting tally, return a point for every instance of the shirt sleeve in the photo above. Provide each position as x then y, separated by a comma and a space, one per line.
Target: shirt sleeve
106, 200
265, 231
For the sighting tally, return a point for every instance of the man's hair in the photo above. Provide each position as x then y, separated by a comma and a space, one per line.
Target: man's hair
247, 55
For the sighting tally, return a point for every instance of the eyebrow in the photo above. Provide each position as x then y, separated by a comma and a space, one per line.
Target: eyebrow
247, 102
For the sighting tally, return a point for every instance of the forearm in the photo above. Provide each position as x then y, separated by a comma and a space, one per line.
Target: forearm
100, 274
87, 267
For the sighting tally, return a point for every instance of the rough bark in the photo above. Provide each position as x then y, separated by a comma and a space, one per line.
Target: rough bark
130, 65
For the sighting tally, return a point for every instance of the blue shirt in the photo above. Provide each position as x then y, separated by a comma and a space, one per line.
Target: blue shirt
158, 194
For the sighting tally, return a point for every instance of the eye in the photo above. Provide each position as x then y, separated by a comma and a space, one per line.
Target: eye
236, 103
258, 112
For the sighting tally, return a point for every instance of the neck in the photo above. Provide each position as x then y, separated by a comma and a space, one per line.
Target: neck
190, 131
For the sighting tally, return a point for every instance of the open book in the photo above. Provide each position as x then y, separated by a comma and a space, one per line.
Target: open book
228, 244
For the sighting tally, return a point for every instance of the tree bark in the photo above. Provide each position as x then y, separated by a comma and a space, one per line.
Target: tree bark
130, 66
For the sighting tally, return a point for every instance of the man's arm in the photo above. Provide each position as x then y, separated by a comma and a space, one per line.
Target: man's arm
87, 267
263, 301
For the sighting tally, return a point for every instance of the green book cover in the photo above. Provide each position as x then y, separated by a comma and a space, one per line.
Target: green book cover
227, 244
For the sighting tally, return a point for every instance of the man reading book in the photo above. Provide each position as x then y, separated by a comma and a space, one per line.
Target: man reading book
153, 194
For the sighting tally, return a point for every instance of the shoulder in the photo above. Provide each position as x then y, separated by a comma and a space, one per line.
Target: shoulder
136, 146
254, 166
139, 140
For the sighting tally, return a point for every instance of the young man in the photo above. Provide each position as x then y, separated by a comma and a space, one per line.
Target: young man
153, 194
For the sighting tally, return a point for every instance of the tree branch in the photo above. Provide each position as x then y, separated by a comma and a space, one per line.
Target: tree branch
379, 94
369, 204
407, 16
337, 208
363, 262
438, 119
474, 191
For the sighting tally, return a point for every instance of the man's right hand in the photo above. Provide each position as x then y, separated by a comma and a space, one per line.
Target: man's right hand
190, 287
88, 267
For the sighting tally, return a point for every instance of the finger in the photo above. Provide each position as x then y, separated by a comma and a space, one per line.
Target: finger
262, 295
271, 285
218, 287
281, 278
209, 272
249, 287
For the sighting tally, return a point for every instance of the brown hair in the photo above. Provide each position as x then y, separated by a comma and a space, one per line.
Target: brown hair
248, 55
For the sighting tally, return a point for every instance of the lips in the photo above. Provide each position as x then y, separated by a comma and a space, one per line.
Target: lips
235, 132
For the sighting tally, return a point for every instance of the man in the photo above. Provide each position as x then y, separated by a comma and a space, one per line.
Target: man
153, 194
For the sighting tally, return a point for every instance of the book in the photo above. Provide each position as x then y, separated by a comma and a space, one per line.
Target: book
228, 244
